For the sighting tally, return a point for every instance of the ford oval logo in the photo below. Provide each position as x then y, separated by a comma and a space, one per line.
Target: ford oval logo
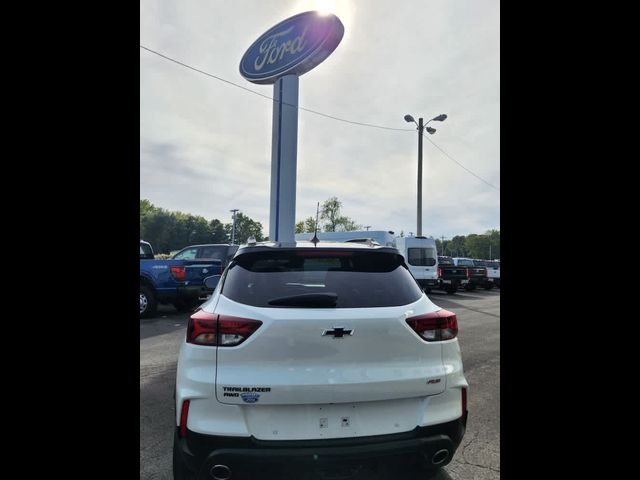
292, 47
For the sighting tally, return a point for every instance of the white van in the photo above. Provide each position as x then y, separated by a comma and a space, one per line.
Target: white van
419, 252
422, 259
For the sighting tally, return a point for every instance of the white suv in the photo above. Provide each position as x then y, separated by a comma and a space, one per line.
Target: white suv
316, 358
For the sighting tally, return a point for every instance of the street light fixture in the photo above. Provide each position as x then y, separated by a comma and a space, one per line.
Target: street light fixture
421, 127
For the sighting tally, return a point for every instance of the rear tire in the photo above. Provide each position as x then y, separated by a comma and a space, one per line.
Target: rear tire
450, 290
180, 469
148, 302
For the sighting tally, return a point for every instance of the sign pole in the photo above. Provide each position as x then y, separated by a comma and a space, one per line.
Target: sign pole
279, 56
284, 151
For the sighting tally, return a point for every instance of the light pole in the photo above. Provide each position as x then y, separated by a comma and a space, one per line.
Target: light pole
233, 229
368, 227
421, 127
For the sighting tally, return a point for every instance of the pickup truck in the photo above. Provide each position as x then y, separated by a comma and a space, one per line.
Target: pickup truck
212, 251
493, 272
476, 275
450, 277
176, 282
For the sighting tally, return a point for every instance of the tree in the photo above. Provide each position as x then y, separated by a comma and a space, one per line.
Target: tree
308, 225
334, 222
494, 240
158, 227
146, 207
457, 246
477, 246
245, 227
217, 231
345, 224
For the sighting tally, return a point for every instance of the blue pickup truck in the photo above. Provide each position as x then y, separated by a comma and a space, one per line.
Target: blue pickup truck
176, 282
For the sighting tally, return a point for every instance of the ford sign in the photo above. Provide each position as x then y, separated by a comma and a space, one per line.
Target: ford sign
292, 47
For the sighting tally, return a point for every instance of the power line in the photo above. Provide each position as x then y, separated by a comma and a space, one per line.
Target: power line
270, 98
454, 160
314, 111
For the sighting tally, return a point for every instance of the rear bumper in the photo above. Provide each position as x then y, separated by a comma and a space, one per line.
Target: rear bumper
192, 292
427, 283
247, 457
452, 282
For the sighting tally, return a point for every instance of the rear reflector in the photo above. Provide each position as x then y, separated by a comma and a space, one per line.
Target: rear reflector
179, 273
184, 414
464, 401
219, 330
435, 326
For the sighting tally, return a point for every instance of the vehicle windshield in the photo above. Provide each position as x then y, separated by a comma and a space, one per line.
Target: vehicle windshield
493, 264
317, 278
445, 261
421, 257
219, 252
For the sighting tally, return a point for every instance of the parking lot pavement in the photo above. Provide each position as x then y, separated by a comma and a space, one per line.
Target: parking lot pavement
477, 458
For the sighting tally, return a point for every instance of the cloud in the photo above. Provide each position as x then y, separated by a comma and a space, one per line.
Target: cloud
205, 146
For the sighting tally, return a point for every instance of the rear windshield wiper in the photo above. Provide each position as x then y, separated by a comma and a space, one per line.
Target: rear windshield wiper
307, 300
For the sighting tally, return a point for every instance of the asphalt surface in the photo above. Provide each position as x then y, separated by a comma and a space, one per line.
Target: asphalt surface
477, 458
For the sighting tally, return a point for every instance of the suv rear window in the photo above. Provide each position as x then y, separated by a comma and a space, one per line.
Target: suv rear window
463, 262
352, 279
445, 261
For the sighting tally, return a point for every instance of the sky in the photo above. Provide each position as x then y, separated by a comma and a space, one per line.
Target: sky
205, 145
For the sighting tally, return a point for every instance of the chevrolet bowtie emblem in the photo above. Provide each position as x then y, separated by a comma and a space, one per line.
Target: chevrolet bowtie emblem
338, 332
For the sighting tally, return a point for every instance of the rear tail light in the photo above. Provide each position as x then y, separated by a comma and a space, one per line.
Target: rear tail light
179, 273
219, 330
464, 400
466, 271
184, 414
439, 272
435, 326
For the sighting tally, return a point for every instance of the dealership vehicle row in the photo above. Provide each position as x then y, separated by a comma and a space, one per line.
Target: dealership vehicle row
179, 281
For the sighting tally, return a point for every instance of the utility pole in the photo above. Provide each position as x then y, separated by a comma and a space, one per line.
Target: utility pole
233, 229
368, 227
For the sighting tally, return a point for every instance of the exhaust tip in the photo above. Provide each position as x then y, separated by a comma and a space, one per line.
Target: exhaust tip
440, 456
220, 472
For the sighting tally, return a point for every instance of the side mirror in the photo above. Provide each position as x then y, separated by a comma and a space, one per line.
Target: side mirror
212, 281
